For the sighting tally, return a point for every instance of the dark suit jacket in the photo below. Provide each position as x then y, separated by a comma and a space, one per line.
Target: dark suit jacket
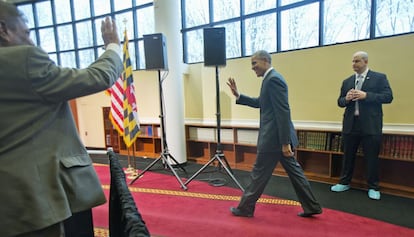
276, 127
370, 109
45, 171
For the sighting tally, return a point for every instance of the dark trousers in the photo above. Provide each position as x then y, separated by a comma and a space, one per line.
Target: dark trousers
55, 230
262, 172
370, 147
79, 225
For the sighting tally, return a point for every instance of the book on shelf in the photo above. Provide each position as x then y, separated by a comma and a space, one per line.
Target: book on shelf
149, 131
397, 147
321, 141
314, 140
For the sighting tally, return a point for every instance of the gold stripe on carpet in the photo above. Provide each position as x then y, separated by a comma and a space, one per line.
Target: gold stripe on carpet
206, 195
100, 232
104, 232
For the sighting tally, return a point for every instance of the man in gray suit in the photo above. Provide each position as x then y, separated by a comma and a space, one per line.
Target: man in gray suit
276, 142
46, 175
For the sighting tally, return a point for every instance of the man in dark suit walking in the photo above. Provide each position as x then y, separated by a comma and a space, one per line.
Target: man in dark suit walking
46, 175
362, 96
276, 142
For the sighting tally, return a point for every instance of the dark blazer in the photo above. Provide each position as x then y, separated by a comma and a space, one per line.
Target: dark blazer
45, 171
378, 92
276, 127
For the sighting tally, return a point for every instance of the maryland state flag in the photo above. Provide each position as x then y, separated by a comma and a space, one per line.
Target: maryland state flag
131, 122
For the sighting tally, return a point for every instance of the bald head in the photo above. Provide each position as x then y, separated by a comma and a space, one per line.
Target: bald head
360, 62
362, 54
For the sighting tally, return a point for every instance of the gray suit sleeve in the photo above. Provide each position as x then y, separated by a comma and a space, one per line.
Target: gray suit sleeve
56, 84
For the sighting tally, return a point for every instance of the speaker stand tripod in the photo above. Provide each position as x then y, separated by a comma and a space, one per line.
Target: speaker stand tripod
165, 154
219, 155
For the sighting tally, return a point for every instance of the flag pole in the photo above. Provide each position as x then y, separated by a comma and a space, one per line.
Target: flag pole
131, 169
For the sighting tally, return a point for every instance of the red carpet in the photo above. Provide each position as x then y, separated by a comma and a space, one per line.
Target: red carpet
203, 210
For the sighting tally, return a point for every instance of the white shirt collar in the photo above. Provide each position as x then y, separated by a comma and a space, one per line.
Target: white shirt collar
267, 72
364, 74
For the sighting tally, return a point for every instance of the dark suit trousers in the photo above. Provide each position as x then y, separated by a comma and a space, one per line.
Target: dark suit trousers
262, 172
370, 146
55, 230
80, 224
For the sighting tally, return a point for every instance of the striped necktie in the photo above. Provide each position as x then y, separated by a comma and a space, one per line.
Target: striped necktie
358, 85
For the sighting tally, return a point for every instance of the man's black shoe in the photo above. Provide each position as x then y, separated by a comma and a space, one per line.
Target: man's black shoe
310, 214
237, 212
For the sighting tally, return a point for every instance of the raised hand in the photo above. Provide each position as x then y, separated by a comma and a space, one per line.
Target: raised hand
109, 31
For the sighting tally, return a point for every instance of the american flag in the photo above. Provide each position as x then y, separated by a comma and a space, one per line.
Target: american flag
116, 114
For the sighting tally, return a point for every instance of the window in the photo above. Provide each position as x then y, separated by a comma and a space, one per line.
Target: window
260, 33
280, 25
394, 17
226, 9
346, 20
300, 27
70, 31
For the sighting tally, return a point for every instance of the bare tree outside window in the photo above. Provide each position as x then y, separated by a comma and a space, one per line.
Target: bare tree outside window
145, 21
233, 39
346, 20
226, 9
86, 57
394, 17
260, 33
62, 11
82, 9
68, 59
101, 7
47, 39
286, 2
197, 13
253, 6
121, 5
65, 37
195, 46
44, 13
85, 34
300, 27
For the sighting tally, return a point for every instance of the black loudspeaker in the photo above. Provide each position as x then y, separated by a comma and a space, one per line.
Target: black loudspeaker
155, 49
215, 46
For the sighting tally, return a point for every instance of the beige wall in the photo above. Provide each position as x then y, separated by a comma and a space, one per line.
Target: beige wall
314, 77
90, 114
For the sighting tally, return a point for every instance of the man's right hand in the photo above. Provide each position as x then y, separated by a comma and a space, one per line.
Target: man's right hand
109, 31
233, 87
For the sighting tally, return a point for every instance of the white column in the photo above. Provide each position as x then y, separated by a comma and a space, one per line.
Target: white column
167, 21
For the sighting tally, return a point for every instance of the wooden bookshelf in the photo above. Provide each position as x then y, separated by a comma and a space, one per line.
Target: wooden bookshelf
148, 143
238, 145
319, 153
112, 138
